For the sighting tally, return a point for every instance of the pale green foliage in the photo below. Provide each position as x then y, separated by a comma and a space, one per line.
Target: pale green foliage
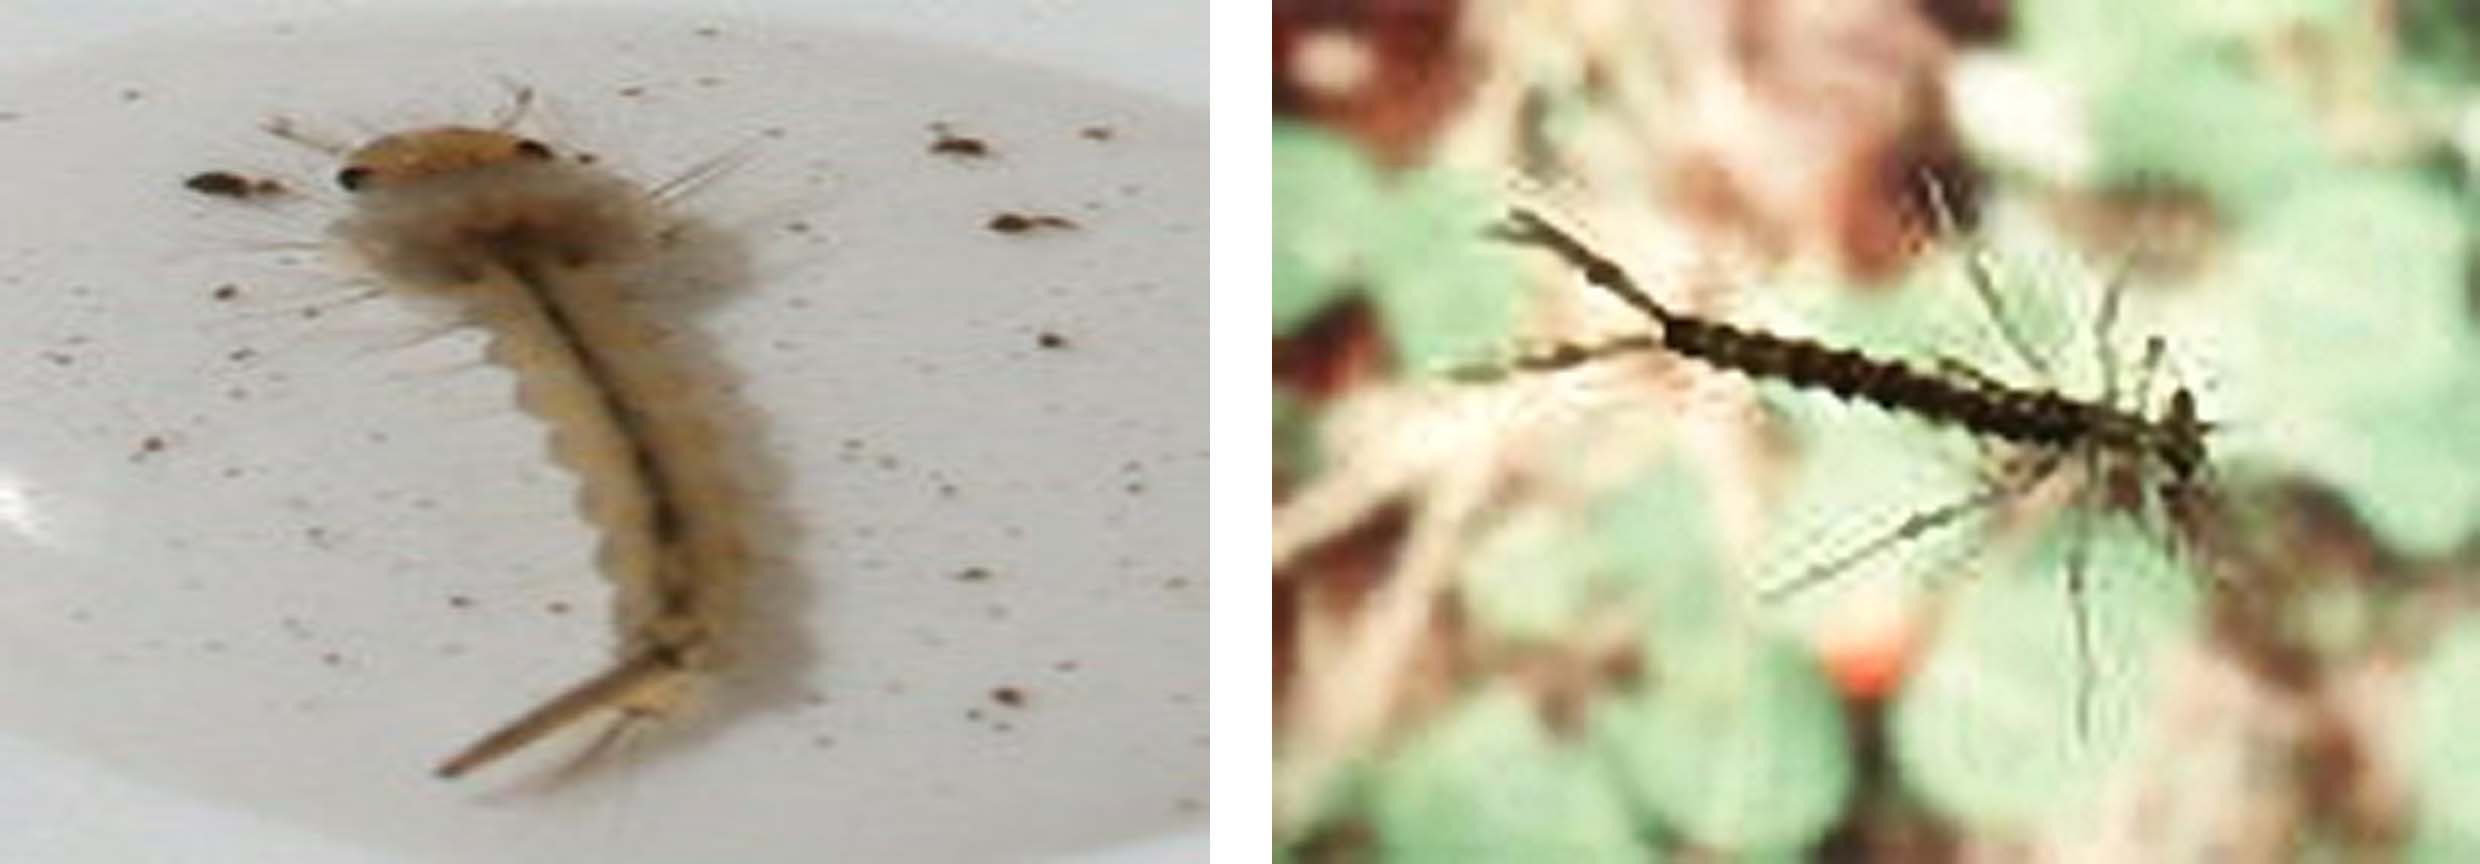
1488, 783
1994, 726
1739, 744
2342, 321
1410, 240
2445, 752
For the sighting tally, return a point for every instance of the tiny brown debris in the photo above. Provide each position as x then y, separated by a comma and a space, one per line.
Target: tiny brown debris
1009, 696
148, 446
1096, 133
1019, 223
961, 146
226, 292
1050, 341
460, 601
226, 184
973, 574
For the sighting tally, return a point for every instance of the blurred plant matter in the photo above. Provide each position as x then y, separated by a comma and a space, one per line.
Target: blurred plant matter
1521, 621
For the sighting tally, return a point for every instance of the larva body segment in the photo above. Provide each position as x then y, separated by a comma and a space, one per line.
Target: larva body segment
539, 253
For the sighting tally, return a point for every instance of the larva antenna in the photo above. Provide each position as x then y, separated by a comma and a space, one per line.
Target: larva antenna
284, 127
520, 103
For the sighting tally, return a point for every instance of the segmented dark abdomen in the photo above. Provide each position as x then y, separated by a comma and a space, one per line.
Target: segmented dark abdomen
2022, 416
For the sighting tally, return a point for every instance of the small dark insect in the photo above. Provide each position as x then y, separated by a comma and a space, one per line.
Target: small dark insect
1009, 696
1019, 223
1050, 340
2117, 447
226, 184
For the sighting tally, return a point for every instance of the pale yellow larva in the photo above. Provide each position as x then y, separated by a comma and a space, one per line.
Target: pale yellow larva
540, 251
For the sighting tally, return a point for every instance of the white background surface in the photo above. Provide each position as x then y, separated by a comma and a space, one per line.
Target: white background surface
246, 642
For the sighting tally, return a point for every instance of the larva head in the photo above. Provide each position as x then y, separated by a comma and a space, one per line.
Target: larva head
425, 153
447, 205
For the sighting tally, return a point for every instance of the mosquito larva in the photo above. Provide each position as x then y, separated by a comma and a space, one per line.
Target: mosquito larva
2110, 442
2031, 417
540, 252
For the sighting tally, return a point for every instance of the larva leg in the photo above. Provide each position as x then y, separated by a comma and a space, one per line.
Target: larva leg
1912, 527
2079, 553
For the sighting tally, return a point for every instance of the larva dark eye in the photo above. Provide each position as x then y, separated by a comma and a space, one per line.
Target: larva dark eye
353, 178
532, 149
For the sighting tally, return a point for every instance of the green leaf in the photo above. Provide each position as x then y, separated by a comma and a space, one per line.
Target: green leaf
2000, 727
1541, 573
1413, 241
2345, 330
1487, 783
1658, 537
1737, 743
1447, 294
2443, 754
1324, 193
2442, 36
1533, 578
2151, 120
